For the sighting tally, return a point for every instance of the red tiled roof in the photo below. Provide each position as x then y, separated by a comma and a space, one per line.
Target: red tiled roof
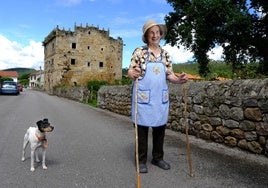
222, 78
190, 76
9, 74
195, 77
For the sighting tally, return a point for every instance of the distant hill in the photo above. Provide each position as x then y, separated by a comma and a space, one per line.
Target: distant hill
21, 71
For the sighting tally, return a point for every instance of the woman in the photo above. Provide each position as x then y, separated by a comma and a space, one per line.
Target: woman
151, 65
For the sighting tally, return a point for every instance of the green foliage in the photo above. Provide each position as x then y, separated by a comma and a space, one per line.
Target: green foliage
126, 80
124, 71
24, 82
220, 69
24, 74
5, 79
24, 79
239, 27
93, 98
190, 68
93, 86
248, 71
22, 71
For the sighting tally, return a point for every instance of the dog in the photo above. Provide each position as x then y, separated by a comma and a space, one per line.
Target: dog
36, 136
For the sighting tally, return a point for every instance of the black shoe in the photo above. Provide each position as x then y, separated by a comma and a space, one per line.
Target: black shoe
143, 168
161, 164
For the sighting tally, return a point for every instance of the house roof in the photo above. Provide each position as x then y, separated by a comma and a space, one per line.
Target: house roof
37, 72
195, 77
190, 76
9, 74
222, 78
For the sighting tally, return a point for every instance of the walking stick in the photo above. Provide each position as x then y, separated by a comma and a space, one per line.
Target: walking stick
136, 134
186, 130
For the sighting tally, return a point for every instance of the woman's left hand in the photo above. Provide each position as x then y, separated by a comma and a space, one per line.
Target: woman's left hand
183, 78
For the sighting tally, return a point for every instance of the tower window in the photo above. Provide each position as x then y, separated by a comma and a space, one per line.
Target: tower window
100, 64
73, 45
72, 61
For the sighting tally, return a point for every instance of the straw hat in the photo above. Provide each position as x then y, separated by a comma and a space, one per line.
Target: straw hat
151, 23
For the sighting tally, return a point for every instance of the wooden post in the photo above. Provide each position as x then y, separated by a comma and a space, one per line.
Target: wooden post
136, 135
186, 130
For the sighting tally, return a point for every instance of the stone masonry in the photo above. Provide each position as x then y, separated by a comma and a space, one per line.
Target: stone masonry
72, 58
233, 113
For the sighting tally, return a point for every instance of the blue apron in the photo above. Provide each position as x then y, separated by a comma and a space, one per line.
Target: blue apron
153, 97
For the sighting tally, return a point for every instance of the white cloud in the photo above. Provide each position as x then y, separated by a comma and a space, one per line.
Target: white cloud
68, 3
216, 53
15, 55
125, 33
181, 55
178, 55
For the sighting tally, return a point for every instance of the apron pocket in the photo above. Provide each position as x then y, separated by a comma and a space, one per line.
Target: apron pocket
165, 96
143, 96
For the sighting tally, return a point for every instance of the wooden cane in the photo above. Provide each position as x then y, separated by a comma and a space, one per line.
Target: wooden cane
186, 130
136, 133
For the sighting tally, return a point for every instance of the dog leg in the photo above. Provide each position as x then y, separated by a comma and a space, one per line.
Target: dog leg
32, 160
37, 156
44, 158
25, 143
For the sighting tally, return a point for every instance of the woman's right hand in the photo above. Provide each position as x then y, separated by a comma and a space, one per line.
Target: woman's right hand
134, 72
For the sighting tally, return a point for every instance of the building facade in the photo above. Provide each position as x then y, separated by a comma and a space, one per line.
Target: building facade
75, 57
36, 79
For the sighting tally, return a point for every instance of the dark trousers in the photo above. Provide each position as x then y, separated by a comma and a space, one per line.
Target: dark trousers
158, 142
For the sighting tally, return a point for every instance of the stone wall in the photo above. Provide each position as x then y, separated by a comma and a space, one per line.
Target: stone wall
233, 113
74, 93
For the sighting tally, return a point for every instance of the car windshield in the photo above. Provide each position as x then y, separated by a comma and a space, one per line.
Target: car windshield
9, 83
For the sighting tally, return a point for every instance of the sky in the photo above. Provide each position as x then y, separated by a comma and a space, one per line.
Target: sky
24, 25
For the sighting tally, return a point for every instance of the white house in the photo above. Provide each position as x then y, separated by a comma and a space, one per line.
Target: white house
36, 79
10, 74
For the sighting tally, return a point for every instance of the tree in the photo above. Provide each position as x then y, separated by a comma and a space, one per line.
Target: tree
24, 79
239, 27
5, 79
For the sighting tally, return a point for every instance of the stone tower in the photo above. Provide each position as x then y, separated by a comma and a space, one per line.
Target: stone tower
76, 57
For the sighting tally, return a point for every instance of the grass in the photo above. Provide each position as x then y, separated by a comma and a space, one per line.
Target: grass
220, 69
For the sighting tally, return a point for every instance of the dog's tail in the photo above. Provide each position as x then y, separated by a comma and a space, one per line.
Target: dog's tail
26, 140
25, 143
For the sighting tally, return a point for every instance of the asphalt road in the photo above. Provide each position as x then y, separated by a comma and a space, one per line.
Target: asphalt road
93, 148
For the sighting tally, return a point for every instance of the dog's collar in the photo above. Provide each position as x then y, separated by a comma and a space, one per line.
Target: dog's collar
41, 139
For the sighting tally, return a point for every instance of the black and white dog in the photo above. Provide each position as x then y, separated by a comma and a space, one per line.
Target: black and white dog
37, 138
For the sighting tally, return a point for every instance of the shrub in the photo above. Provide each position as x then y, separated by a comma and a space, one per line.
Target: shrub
93, 86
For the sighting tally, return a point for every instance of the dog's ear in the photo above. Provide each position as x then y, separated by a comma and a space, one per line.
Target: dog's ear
45, 120
38, 123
